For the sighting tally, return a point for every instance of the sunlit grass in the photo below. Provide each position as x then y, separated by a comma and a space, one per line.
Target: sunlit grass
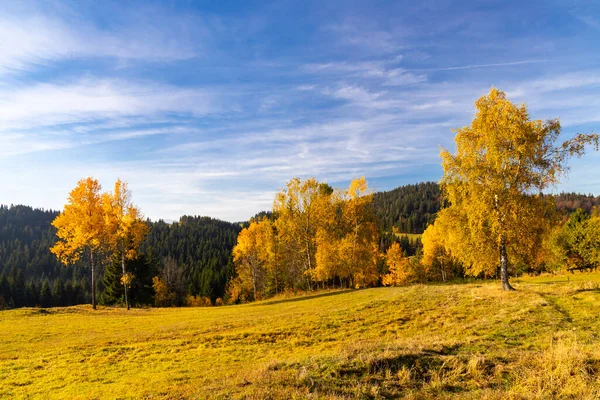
411, 236
455, 341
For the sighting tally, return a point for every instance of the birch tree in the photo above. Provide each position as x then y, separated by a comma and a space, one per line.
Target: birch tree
503, 162
125, 228
80, 227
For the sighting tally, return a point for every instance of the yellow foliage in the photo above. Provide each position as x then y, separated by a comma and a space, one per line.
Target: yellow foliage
254, 257
347, 242
302, 209
127, 278
125, 227
437, 260
162, 297
401, 270
501, 159
80, 226
197, 301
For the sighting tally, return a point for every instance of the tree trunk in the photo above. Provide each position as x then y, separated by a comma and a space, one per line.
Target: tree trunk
124, 282
309, 264
504, 266
254, 278
93, 279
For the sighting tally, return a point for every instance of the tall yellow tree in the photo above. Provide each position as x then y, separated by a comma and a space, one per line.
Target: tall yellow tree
437, 260
301, 209
502, 161
80, 227
253, 256
358, 250
125, 228
347, 243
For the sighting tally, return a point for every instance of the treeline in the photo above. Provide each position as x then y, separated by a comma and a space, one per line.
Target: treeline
29, 273
194, 261
571, 202
317, 237
408, 208
201, 247
411, 208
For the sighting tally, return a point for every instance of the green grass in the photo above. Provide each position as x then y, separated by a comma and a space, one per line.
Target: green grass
426, 341
411, 236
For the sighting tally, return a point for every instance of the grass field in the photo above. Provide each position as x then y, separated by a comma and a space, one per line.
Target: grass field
411, 236
443, 341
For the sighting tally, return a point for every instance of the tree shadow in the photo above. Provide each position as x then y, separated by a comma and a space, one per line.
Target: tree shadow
301, 298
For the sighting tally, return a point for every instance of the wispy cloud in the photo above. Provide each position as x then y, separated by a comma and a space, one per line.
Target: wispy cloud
503, 64
33, 41
206, 112
89, 100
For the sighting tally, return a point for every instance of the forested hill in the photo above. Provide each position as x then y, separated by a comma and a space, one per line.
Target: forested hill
409, 208
569, 202
200, 246
31, 275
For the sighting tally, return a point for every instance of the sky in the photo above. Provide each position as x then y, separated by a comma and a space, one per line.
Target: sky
210, 107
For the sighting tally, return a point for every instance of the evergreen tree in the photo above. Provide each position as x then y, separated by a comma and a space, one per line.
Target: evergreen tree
45, 294
57, 293
113, 289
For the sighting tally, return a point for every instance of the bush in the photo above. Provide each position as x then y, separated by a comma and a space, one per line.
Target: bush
197, 301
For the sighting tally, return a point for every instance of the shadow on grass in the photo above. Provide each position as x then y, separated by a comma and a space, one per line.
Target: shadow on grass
301, 297
561, 310
462, 281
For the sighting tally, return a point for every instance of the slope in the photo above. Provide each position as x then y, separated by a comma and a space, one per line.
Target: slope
455, 340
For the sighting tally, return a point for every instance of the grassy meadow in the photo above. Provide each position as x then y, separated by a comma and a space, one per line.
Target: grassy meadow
465, 340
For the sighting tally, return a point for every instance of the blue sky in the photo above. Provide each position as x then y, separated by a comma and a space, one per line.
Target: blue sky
209, 107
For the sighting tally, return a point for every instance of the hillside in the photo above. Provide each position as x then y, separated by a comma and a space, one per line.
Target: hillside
453, 341
31, 275
409, 208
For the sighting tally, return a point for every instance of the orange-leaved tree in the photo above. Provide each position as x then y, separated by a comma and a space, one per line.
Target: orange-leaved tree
401, 270
253, 256
347, 243
125, 228
80, 227
301, 210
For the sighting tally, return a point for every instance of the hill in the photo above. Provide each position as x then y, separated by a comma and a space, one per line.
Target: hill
409, 208
466, 340
30, 275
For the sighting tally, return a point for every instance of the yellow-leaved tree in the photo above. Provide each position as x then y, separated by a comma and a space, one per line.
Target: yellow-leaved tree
253, 256
80, 227
401, 271
301, 210
358, 251
125, 229
503, 161
437, 259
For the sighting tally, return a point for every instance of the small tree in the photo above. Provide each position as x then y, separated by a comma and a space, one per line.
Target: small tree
401, 270
253, 254
80, 227
580, 241
126, 229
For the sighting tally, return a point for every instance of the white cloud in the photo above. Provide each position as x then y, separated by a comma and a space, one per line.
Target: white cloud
30, 41
87, 99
